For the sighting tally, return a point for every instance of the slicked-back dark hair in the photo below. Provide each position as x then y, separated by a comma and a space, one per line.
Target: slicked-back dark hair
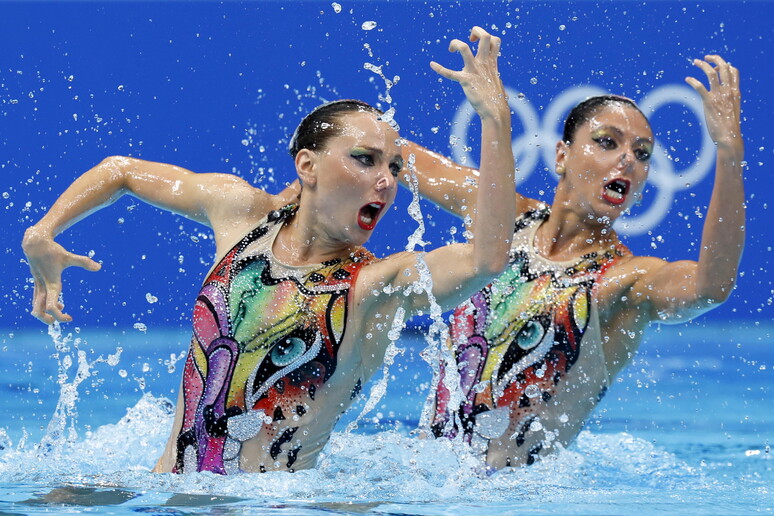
320, 125
581, 113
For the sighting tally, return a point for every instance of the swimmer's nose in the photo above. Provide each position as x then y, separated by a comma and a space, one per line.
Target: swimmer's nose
386, 181
626, 160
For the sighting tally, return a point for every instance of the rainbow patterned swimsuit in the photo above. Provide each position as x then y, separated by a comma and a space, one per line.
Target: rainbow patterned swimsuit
265, 339
517, 339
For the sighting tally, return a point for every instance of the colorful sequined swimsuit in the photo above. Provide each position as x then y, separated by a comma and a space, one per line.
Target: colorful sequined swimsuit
265, 342
528, 351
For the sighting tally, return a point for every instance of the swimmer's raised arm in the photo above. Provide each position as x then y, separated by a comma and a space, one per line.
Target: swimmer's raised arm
458, 270
685, 289
446, 184
449, 185
211, 199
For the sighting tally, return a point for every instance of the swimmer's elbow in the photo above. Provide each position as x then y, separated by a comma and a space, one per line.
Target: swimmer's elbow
494, 263
711, 300
716, 293
490, 269
115, 168
497, 267
119, 162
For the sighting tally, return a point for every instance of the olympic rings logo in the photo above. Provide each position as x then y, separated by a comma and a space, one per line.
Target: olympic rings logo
538, 139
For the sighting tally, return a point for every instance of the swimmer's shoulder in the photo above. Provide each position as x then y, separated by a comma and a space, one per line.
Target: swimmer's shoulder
615, 290
528, 204
234, 197
234, 206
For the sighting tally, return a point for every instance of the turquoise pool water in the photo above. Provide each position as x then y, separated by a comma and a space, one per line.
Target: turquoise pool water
687, 429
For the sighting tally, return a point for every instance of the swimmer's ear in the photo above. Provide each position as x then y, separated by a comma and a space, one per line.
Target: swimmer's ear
305, 167
561, 157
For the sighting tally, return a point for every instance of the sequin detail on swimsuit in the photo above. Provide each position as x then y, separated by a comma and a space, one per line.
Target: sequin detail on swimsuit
265, 339
517, 338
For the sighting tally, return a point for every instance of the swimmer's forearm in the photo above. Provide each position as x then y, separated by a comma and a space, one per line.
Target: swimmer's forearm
495, 207
723, 236
162, 185
98, 187
440, 180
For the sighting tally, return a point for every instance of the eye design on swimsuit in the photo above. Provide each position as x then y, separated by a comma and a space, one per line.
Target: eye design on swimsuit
287, 351
530, 335
290, 353
533, 342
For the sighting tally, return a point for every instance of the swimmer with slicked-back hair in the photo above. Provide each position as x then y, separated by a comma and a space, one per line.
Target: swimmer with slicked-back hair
537, 349
295, 315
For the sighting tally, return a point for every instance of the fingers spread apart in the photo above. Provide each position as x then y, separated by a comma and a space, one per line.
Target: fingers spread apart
488, 44
720, 76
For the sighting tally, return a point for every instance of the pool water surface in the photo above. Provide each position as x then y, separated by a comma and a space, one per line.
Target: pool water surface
688, 428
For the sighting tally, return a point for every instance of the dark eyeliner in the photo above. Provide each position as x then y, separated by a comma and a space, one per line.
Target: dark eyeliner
363, 157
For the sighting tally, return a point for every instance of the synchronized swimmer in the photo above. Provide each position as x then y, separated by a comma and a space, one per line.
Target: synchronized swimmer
285, 327
537, 349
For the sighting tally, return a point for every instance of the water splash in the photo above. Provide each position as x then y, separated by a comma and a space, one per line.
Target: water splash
438, 332
389, 114
414, 209
386, 467
61, 432
379, 389
132, 444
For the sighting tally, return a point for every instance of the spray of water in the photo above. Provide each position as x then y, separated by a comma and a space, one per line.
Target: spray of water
61, 432
438, 332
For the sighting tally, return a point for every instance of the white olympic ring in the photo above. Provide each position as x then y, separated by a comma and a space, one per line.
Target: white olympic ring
538, 140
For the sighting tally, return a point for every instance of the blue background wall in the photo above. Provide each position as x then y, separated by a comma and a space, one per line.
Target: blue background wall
220, 87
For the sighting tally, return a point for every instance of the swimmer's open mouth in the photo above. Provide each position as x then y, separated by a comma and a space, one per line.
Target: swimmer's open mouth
369, 214
615, 191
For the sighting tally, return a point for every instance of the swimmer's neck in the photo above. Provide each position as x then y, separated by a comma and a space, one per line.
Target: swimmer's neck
569, 233
304, 240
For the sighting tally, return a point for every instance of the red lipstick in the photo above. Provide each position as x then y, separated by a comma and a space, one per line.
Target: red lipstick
369, 214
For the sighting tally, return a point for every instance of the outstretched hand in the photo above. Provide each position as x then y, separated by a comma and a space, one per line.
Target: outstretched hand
479, 77
47, 260
722, 102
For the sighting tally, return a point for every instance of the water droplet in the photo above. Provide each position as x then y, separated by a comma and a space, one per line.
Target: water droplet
336, 7
368, 25
532, 391
533, 80
112, 360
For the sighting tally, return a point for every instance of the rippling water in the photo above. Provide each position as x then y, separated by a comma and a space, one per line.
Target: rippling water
684, 431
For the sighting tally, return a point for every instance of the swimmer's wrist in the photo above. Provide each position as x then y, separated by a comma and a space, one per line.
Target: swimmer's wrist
734, 146
501, 115
36, 234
